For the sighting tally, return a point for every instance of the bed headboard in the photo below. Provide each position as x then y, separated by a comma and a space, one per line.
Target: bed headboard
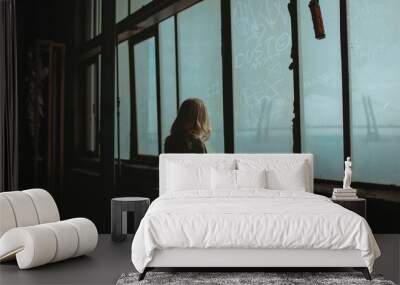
212, 159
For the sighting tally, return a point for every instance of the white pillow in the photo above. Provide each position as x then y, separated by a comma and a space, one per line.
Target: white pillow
223, 179
226, 179
251, 178
183, 177
293, 178
281, 174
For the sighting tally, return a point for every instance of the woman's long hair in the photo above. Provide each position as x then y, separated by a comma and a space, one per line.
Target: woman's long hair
192, 120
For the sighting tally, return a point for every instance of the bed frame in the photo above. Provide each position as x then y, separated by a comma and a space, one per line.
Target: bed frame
242, 259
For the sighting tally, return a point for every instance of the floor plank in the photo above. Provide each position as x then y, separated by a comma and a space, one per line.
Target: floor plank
103, 266
111, 259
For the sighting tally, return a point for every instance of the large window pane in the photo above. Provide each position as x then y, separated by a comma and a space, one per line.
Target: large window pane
137, 4
122, 9
98, 16
92, 18
262, 82
374, 48
321, 90
91, 107
167, 76
200, 63
89, 19
125, 101
146, 97
91, 103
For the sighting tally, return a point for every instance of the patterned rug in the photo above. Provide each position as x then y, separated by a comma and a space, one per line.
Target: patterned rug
269, 278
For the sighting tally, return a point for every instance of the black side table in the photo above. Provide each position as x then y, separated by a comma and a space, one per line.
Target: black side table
119, 208
358, 205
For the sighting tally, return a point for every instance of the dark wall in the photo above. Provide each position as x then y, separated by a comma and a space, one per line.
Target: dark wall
87, 187
53, 20
37, 20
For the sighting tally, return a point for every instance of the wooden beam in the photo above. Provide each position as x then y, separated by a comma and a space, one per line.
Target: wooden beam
149, 15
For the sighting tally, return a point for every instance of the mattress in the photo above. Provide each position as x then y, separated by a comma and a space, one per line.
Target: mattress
250, 219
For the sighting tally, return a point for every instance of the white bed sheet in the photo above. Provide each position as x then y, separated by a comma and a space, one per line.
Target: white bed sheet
251, 218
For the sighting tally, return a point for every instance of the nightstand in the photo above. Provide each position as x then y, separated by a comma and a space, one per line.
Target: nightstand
119, 208
358, 205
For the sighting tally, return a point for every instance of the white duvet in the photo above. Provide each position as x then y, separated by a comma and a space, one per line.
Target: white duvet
250, 219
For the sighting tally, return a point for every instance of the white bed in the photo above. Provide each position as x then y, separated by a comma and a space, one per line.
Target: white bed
248, 226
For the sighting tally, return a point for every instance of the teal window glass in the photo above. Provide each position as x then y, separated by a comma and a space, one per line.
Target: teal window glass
137, 4
262, 81
123, 82
121, 9
91, 113
321, 90
374, 51
200, 63
146, 97
168, 97
92, 18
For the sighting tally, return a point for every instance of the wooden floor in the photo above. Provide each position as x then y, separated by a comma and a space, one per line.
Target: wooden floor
110, 260
103, 266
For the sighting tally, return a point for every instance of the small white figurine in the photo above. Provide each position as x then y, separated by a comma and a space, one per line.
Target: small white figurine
347, 174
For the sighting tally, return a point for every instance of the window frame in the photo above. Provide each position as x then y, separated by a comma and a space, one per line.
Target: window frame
128, 30
81, 150
135, 157
151, 19
97, 26
86, 51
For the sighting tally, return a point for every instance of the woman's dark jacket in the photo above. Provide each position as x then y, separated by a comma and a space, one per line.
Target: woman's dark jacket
184, 144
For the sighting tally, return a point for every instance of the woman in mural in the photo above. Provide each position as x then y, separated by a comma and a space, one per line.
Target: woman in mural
190, 130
